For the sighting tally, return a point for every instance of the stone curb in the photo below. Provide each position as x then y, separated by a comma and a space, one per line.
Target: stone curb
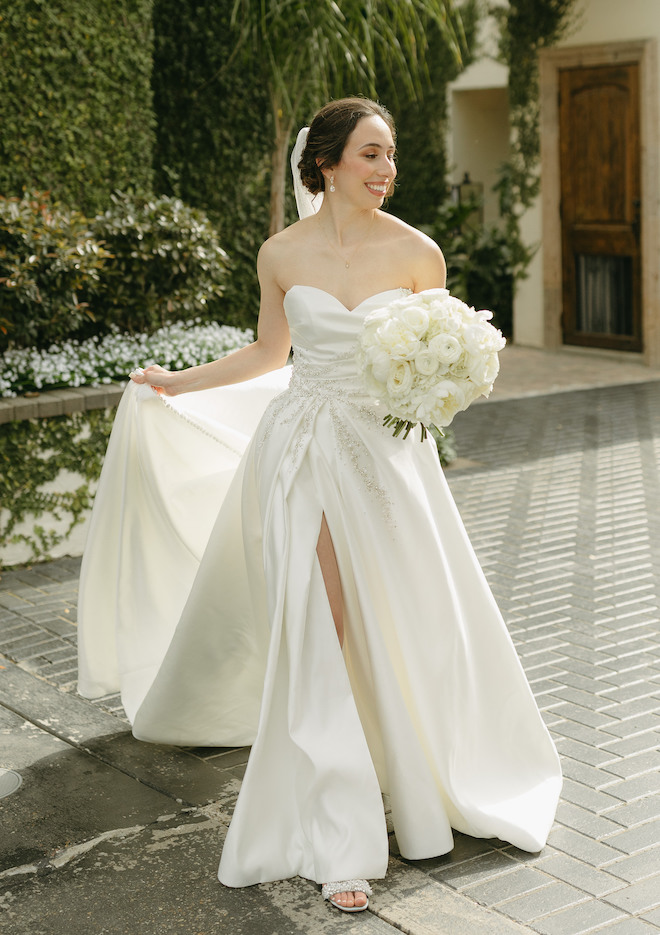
60, 402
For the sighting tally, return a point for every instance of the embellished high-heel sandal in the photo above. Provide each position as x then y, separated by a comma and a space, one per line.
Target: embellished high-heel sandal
328, 890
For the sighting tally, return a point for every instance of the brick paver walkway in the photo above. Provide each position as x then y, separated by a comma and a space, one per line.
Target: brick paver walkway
561, 496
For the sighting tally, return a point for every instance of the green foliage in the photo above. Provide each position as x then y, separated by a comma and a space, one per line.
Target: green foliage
142, 264
167, 263
483, 263
526, 26
421, 124
446, 444
50, 266
32, 454
213, 137
75, 98
305, 53
215, 125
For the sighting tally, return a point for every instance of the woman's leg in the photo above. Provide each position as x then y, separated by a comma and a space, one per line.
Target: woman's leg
330, 570
325, 551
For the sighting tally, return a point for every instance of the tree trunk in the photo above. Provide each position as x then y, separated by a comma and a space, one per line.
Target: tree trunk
279, 166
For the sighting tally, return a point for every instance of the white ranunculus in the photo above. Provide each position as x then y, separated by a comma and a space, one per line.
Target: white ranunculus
426, 362
400, 379
446, 347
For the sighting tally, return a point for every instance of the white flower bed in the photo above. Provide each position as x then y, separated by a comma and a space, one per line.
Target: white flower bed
104, 359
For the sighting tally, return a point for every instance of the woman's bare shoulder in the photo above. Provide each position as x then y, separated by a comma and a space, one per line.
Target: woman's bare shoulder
407, 234
421, 254
279, 245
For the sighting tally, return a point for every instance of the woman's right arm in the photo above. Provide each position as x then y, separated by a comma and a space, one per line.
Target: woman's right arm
269, 352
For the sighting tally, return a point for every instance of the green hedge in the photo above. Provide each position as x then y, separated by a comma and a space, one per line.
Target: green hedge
75, 98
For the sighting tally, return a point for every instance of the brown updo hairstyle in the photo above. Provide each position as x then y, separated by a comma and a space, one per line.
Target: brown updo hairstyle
328, 133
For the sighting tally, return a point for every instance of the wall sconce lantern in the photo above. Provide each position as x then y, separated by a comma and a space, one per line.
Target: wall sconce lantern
469, 192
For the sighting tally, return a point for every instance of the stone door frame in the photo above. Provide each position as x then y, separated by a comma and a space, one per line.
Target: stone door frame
643, 52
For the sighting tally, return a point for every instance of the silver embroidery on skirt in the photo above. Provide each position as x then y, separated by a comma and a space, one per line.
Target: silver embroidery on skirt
337, 387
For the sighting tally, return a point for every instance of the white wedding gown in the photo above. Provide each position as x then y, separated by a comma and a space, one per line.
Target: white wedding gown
202, 598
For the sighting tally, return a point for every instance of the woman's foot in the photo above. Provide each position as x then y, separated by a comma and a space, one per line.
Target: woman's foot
348, 895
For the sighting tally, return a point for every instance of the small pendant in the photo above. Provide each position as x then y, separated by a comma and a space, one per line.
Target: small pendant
347, 265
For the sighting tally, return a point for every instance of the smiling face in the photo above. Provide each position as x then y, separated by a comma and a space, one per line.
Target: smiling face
366, 170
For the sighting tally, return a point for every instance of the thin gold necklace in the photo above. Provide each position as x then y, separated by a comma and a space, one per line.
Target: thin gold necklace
347, 262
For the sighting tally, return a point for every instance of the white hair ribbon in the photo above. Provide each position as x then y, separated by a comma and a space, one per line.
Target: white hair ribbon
306, 203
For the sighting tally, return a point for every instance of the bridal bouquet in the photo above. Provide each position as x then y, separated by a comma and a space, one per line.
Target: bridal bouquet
426, 357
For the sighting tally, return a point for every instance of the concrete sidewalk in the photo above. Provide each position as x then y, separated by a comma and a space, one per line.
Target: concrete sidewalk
561, 497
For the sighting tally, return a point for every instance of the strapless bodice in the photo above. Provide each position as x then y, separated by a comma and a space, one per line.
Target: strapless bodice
322, 327
324, 337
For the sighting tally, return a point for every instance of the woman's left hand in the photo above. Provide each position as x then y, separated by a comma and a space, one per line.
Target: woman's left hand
158, 378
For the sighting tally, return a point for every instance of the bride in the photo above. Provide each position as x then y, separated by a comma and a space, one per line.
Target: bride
303, 582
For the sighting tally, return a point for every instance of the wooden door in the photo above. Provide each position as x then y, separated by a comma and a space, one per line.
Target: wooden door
600, 206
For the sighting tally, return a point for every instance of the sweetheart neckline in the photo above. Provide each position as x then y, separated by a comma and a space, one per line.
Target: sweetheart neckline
355, 307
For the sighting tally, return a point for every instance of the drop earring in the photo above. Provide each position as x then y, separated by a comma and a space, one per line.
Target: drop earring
332, 183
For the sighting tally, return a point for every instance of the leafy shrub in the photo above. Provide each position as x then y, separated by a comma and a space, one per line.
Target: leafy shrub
142, 264
50, 268
167, 263
483, 263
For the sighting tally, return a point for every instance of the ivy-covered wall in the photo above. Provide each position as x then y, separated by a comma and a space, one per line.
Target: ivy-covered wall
37, 510
76, 112
213, 136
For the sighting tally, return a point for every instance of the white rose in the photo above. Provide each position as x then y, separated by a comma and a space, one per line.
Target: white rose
375, 319
416, 318
426, 362
398, 340
400, 379
446, 348
460, 370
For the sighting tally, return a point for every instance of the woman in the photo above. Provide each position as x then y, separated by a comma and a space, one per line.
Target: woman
344, 608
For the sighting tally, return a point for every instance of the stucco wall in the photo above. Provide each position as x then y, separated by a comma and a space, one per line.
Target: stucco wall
480, 140
614, 21
601, 24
